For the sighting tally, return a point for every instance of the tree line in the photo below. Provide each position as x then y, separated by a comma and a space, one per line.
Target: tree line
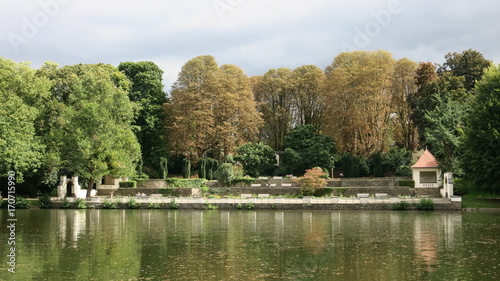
366, 112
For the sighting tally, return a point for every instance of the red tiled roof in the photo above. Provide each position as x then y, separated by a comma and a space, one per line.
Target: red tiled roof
427, 160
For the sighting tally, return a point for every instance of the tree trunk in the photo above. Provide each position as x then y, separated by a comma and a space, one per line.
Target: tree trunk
90, 186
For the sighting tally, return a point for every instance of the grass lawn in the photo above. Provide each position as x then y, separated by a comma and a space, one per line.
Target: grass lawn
475, 202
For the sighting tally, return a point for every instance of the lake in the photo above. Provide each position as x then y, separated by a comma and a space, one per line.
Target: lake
252, 245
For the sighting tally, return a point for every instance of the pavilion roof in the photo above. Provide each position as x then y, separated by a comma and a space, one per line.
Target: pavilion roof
427, 160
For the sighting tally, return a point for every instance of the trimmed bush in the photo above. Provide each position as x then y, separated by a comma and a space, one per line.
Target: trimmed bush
127, 184
410, 183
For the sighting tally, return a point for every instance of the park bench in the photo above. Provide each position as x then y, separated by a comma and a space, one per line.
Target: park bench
263, 195
286, 184
246, 195
380, 195
256, 185
363, 195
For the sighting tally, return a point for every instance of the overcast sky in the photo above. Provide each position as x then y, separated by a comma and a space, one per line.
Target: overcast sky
255, 35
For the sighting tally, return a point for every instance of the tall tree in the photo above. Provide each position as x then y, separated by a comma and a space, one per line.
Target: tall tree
309, 101
470, 64
93, 129
147, 91
481, 148
21, 95
404, 86
275, 96
358, 85
212, 110
444, 132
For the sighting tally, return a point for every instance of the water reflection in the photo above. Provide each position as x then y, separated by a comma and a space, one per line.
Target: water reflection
255, 245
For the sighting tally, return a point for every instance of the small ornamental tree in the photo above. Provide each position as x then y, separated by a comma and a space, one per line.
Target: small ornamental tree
225, 174
314, 177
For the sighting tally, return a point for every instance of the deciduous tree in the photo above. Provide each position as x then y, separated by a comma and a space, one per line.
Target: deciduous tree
147, 92
358, 86
212, 110
481, 148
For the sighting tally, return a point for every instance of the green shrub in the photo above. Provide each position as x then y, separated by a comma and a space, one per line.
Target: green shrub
65, 204
152, 205
128, 184
209, 206
425, 204
410, 183
108, 204
44, 201
274, 206
403, 205
239, 206
174, 205
132, 204
22, 203
249, 206
81, 203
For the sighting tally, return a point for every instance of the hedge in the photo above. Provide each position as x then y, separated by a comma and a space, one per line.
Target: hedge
186, 183
128, 184
410, 183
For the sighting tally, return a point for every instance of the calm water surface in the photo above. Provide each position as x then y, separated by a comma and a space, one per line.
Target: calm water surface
252, 245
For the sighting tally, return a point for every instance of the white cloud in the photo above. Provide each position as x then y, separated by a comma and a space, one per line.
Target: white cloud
255, 35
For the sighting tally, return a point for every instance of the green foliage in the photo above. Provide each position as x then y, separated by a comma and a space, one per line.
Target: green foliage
305, 148
409, 183
127, 184
22, 203
402, 205
307, 191
445, 131
81, 203
353, 166
257, 159
152, 205
202, 168
44, 201
425, 204
22, 99
249, 206
186, 168
209, 206
397, 161
147, 93
108, 204
225, 174
239, 206
132, 204
164, 167
88, 124
174, 205
185, 183
481, 147
377, 167
65, 204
